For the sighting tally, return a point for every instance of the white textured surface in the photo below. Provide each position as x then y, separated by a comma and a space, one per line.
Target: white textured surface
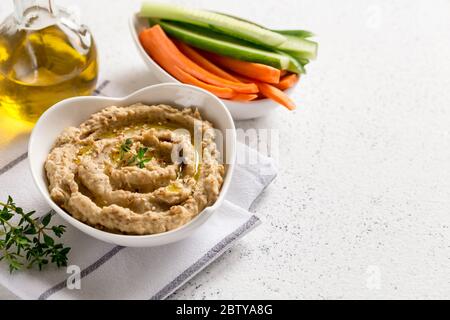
364, 163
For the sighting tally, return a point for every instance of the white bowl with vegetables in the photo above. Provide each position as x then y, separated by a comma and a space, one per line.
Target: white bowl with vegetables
251, 68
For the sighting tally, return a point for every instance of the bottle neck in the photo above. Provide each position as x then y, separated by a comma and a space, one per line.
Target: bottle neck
34, 12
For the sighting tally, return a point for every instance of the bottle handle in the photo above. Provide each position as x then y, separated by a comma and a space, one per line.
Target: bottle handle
22, 8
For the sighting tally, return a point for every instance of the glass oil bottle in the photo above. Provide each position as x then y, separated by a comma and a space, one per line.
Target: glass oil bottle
45, 57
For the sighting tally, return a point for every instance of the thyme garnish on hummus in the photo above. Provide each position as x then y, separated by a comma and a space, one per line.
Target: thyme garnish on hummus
139, 158
125, 148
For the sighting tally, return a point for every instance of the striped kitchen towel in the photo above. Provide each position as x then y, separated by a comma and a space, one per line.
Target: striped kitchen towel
112, 272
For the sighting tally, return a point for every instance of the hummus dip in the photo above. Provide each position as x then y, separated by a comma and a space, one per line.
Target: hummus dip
136, 169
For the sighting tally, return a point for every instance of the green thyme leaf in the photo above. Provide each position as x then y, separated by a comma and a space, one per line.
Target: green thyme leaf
125, 147
46, 220
141, 159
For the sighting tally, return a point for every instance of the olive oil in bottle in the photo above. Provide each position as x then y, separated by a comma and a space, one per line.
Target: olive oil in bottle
44, 58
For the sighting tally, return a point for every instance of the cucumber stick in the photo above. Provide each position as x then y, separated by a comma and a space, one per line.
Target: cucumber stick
221, 44
217, 22
295, 65
296, 42
299, 47
304, 34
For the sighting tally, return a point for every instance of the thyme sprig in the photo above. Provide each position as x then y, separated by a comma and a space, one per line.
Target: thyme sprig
139, 159
125, 147
29, 242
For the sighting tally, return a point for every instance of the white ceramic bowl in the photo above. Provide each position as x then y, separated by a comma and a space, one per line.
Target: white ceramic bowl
239, 110
74, 111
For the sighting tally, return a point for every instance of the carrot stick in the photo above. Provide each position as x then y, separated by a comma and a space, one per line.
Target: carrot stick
242, 78
244, 97
283, 73
185, 77
160, 55
195, 70
251, 70
270, 91
287, 82
195, 56
277, 95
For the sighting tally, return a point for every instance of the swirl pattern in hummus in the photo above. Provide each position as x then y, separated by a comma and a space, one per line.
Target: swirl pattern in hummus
95, 175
